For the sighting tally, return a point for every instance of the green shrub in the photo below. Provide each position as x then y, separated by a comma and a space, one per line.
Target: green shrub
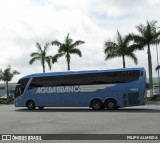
10, 100
3, 101
158, 98
153, 98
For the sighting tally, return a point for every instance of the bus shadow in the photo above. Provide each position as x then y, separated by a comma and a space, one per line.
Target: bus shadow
123, 110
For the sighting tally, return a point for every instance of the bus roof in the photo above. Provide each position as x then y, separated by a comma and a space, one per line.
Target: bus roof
80, 72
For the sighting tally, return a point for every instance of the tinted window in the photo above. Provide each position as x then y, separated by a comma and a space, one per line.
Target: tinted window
21, 86
85, 79
23, 81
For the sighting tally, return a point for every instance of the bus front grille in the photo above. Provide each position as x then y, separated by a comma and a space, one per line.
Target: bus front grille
133, 98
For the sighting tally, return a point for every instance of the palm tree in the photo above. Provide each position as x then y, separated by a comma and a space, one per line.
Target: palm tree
157, 68
66, 49
41, 55
7, 76
120, 48
148, 36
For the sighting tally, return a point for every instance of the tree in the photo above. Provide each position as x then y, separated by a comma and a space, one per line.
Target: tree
41, 55
7, 76
147, 36
157, 68
66, 49
120, 48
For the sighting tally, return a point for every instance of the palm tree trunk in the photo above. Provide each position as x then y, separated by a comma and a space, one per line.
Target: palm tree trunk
150, 68
68, 65
43, 67
7, 90
68, 62
124, 64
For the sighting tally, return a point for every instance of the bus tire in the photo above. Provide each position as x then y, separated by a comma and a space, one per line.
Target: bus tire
31, 105
111, 104
96, 104
41, 108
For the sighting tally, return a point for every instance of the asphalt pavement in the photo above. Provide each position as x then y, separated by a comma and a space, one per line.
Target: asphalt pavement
131, 120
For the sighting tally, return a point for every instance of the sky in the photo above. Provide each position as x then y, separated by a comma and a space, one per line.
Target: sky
25, 22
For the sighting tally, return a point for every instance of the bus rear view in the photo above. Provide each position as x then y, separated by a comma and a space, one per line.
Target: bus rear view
98, 89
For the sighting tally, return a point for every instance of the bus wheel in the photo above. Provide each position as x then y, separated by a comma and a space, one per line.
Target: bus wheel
40, 108
96, 104
111, 104
31, 105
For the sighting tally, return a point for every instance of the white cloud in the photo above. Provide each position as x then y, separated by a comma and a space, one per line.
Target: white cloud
23, 23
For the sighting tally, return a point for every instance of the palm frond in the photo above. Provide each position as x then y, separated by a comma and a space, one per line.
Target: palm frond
76, 51
111, 56
119, 38
156, 35
68, 41
7, 74
34, 59
156, 41
77, 43
56, 57
135, 47
156, 38
139, 39
15, 72
128, 38
56, 43
46, 46
151, 25
157, 68
141, 29
34, 54
110, 46
64, 48
38, 45
48, 60
133, 57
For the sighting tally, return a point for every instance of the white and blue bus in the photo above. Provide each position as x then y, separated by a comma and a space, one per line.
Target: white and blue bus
97, 89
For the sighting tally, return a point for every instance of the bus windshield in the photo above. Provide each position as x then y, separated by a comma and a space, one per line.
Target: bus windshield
21, 85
